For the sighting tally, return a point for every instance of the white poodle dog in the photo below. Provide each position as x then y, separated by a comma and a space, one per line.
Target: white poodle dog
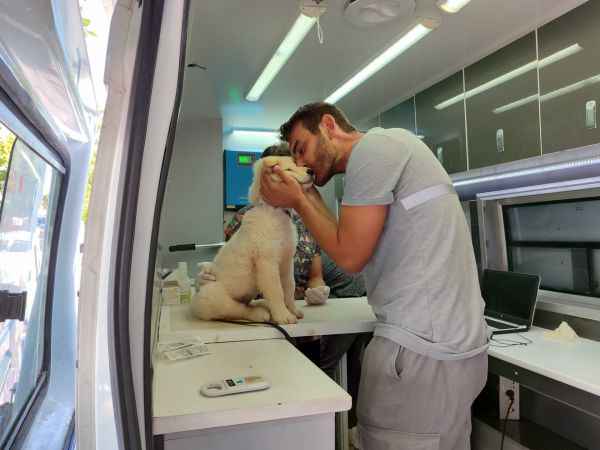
258, 258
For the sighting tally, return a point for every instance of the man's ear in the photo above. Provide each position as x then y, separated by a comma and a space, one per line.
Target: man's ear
328, 122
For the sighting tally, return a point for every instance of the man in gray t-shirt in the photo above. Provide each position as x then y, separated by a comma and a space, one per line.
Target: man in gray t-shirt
402, 225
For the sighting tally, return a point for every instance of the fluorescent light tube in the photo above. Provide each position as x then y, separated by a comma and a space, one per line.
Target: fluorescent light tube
417, 33
550, 95
555, 57
287, 47
255, 134
452, 6
513, 105
561, 54
570, 88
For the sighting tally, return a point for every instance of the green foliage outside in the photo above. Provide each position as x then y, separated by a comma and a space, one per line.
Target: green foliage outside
88, 187
7, 139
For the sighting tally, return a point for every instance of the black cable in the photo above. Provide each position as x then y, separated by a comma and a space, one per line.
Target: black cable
286, 335
510, 395
509, 342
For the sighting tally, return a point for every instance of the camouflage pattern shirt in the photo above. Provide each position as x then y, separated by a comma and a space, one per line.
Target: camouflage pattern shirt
306, 249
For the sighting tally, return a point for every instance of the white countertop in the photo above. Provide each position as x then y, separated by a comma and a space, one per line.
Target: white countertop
337, 316
298, 387
574, 363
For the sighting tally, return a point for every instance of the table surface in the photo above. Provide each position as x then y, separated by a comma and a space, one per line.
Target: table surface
337, 316
298, 387
574, 363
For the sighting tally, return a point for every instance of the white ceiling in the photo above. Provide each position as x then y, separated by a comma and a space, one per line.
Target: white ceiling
234, 39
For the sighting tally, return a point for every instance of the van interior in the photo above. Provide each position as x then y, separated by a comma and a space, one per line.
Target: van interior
504, 94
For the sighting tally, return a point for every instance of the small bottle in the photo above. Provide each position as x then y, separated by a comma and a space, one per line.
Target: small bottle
185, 295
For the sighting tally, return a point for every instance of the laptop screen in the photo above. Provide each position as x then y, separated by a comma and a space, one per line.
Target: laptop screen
510, 295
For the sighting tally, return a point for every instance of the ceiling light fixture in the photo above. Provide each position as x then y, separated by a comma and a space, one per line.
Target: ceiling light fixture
288, 46
409, 39
554, 57
366, 13
452, 6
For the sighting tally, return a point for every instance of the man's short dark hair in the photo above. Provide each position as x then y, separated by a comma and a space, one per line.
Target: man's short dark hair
281, 149
310, 116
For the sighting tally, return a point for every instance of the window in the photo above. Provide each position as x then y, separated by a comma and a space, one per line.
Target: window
29, 189
558, 240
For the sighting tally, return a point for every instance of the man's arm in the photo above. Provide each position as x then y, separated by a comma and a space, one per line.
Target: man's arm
351, 242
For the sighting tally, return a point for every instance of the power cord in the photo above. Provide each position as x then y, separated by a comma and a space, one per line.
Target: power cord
286, 335
511, 395
503, 343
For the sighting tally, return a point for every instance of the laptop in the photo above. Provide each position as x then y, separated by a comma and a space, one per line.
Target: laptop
510, 299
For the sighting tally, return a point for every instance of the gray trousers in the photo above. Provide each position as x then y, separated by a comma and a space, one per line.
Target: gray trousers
410, 401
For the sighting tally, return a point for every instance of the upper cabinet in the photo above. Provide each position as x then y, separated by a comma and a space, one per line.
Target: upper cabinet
569, 49
511, 112
502, 105
441, 122
400, 116
366, 125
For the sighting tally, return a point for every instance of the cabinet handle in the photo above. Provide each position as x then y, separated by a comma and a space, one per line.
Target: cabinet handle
440, 154
590, 114
499, 140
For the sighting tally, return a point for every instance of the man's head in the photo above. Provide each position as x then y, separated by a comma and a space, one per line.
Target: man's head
318, 135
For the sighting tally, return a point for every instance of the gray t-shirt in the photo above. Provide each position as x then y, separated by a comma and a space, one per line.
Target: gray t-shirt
421, 279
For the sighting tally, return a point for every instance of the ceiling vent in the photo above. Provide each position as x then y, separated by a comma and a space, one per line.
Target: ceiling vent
365, 13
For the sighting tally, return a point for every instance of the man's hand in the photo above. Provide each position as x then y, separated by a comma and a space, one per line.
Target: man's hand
286, 193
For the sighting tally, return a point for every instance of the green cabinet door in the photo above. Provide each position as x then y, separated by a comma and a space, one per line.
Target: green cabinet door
502, 105
442, 126
367, 124
569, 50
400, 116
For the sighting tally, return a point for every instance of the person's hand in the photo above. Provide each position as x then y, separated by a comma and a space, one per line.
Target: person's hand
286, 193
206, 274
317, 295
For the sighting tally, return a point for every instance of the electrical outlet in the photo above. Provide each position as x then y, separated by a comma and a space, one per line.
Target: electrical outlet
507, 384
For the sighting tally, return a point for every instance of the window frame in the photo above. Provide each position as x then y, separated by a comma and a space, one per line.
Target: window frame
494, 248
12, 118
588, 246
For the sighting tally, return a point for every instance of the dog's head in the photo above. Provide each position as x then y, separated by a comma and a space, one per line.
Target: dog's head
286, 163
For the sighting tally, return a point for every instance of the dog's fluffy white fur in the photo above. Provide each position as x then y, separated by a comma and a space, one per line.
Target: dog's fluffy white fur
258, 258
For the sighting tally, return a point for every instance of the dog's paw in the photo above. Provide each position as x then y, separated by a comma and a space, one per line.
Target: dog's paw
206, 274
284, 318
299, 314
260, 314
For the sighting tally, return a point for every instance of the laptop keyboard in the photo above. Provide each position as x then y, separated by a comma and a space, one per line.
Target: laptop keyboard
498, 325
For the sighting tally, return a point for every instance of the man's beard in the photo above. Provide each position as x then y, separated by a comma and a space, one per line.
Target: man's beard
324, 162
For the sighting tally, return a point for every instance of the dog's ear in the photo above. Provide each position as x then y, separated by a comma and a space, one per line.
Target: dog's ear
269, 162
254, 192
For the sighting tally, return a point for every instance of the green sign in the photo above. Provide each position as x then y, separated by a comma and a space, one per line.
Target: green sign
245, 159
